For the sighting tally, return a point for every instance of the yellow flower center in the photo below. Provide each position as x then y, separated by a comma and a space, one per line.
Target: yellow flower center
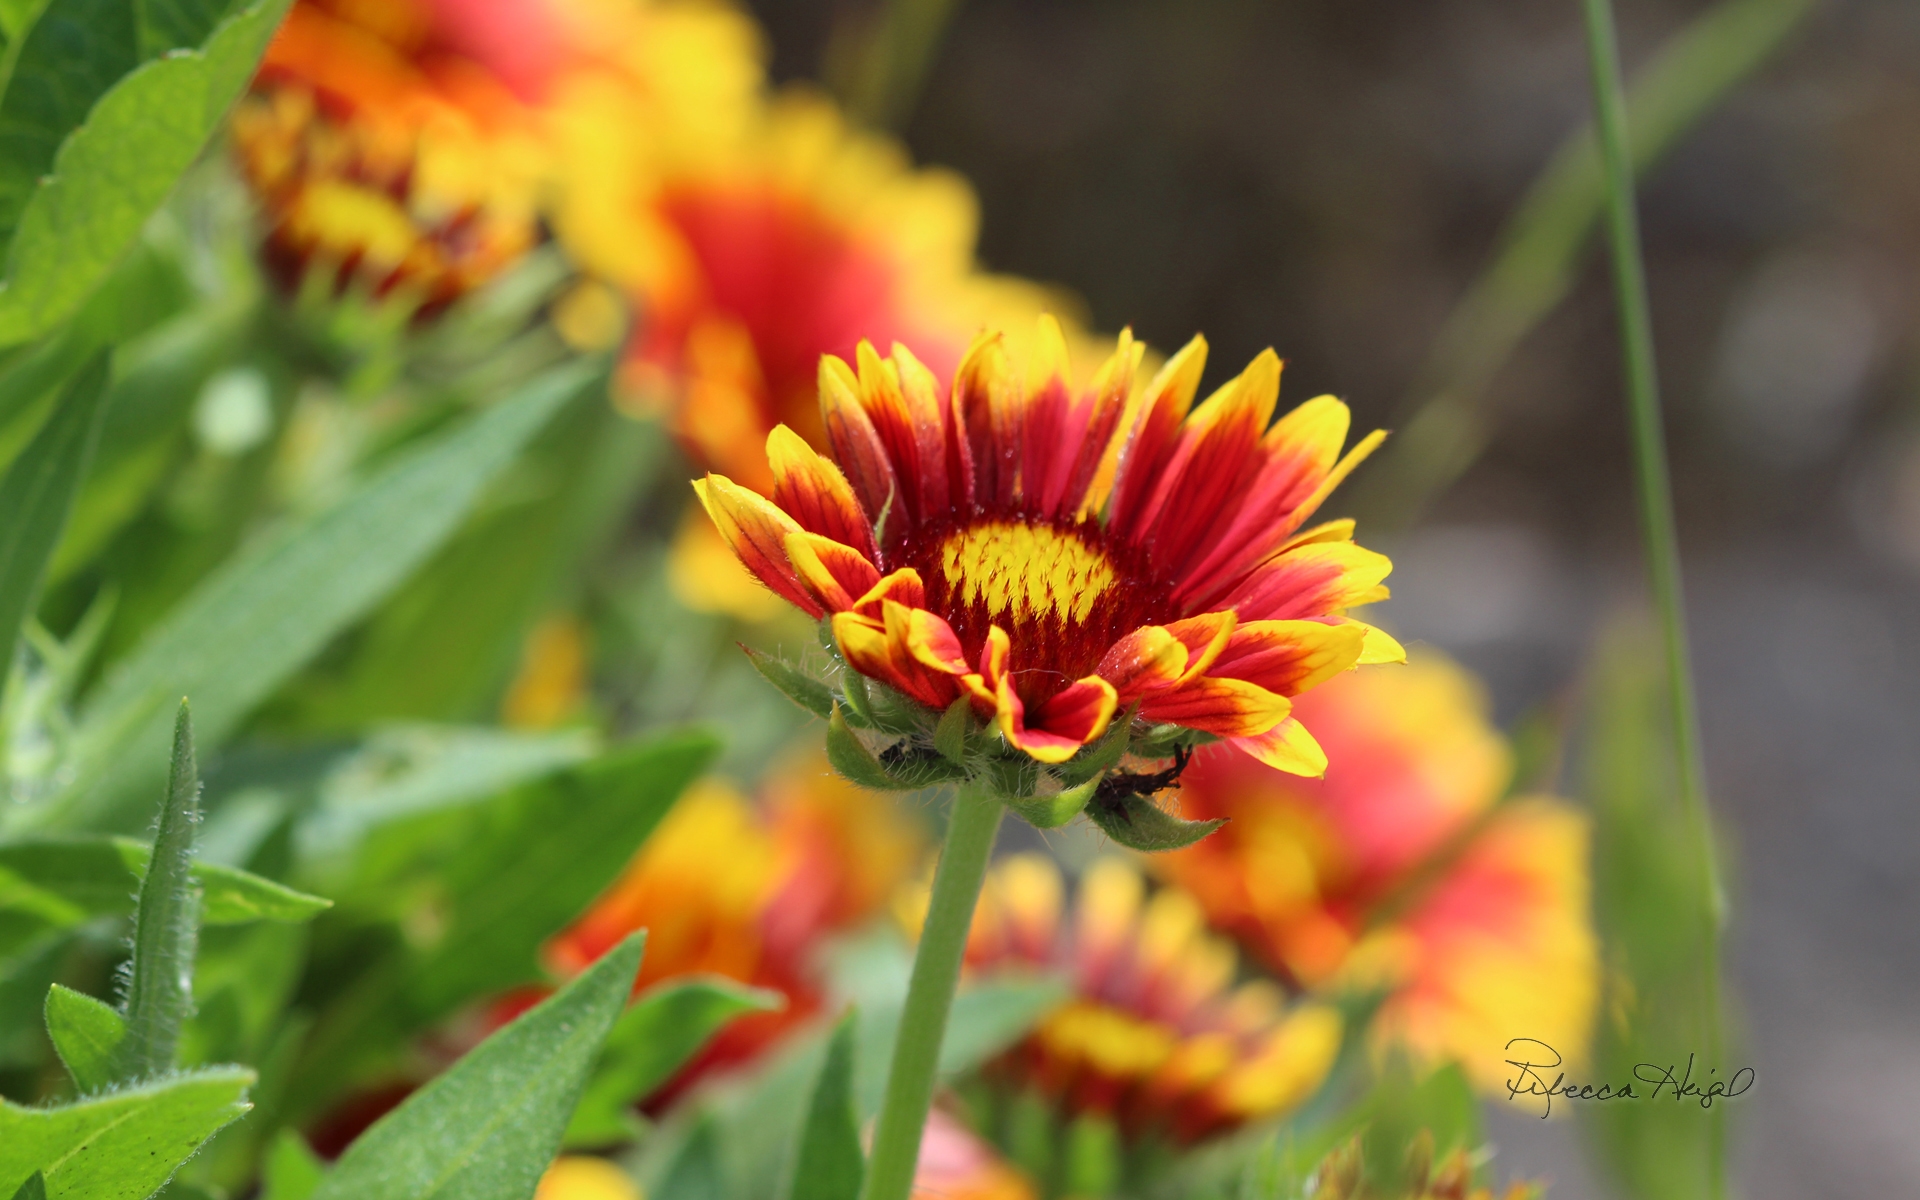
1025, 571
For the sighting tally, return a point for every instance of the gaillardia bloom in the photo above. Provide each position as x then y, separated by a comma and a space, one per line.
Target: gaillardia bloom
1156, 1037
1055, 557
1398, 871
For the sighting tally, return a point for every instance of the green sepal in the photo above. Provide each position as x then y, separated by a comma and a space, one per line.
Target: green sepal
1139, 824
1159, 741
950, 735
1051, 812
798, 686
1096, 760
853, 694
850, 756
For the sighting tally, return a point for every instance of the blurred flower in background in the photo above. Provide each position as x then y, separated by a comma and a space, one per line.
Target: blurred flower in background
1157, 1042
1402, 869
749, 889
750, 256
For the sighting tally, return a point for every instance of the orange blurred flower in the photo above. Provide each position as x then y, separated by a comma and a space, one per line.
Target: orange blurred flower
1058, 556
1156, 1036
777, 240
407, 144
749, 890
1497, 946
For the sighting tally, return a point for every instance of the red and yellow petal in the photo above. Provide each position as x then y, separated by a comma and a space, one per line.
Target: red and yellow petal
814, 492
1149, 431
1287, 747
1211, 461
1148, 659
837, 575
857, 444
1312, 580
1221, 706
1043, 744
901, 587
757, 531
882, 650
1290, 657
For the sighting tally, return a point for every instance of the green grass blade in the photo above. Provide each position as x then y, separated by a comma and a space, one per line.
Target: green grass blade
829, 1165
264, 614
1659, 529
488, 1127
1448, 419
166, 924
36, 496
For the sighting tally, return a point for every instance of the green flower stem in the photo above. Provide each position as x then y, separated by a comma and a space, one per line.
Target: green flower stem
1658, 527
971, 828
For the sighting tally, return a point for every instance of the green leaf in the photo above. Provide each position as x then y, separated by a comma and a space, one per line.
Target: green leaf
1051, 812
850, 756
950, 735
87, 1034
119, 158
654, 1038
263, 614
37, 493
230, 896
798, 686
830, 1165
488, 1128
555, 847
528, 863
35, 1188
1137, 823
166, 923
67, 881
292, 1170
123, 1145
75, 51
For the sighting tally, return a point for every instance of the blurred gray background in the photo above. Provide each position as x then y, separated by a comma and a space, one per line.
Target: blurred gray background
1328, 178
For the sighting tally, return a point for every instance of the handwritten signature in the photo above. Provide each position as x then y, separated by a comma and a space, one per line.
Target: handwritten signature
1534, 1057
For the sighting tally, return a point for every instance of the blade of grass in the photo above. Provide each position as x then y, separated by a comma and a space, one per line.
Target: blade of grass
1658, 527
880, 64
1447, 419
166, 924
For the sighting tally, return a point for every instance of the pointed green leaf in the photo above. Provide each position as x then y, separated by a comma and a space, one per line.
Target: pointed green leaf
86, 1034
70, 880
850, 756
89, 164
950, 735
1051, 812
122, 1145
35, 1188
230, 896
36, 496
653, 1039
829, 1165
292, 1170
488, 1127
801, 688
1139, 824
263, 614
166, 923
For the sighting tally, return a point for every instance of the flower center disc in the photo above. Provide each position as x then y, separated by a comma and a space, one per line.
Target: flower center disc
1025, 572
